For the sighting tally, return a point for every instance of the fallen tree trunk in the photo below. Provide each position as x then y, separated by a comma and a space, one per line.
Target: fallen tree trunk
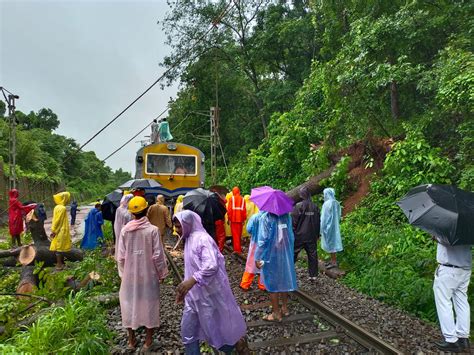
28, 280
30, 254
9, 261
11, 252
313, 185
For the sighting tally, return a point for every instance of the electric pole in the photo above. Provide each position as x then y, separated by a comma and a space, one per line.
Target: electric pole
214, 115
10, 100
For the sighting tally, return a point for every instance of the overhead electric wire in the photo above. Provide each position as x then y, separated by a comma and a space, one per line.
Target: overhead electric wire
175, 64
136, 135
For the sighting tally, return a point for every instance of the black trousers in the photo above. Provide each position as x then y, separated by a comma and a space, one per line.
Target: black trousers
312, 253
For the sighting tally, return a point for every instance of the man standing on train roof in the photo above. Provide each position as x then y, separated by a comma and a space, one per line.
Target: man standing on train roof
450, 290
306, 220
237, 214
154, 132
211, 313
164, 131
159, 216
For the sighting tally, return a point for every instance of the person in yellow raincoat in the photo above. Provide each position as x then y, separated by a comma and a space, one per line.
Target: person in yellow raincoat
61, 237
251, 210
228, 232
178, 207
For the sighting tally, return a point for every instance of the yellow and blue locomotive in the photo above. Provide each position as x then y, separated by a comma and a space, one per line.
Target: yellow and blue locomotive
178, 167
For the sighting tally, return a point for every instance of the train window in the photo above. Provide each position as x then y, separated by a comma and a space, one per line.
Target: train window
170, 164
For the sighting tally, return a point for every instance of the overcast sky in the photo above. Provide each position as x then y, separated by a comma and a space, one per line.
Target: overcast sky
86, 60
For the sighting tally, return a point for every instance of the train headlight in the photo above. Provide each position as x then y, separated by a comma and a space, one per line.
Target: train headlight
171, 146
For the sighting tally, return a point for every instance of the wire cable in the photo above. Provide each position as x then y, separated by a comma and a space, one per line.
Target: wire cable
174, 65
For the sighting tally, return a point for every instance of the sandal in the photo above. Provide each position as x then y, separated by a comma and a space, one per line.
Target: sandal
147, 348
272, 318
330, 266
285, 314
132, 347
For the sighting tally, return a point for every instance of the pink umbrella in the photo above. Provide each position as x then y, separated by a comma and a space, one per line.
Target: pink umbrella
271, 200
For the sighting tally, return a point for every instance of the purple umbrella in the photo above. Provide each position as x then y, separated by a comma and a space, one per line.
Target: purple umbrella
271, 200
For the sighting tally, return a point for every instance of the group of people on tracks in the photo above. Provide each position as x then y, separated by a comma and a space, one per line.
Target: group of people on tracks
211, 313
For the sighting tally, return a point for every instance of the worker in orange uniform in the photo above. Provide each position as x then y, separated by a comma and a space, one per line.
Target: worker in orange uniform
237, 214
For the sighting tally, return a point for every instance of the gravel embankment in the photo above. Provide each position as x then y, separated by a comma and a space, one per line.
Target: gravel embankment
405, 332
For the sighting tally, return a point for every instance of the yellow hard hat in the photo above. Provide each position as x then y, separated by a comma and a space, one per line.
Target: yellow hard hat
137, 204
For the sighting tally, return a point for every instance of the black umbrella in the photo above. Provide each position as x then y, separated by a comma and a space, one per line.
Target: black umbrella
208, 205
139, 184
444, 211
110, 204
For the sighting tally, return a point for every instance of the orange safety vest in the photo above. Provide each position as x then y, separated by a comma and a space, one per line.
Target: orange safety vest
236, 208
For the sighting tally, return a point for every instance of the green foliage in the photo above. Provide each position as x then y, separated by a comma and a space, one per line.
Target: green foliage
339, 178
9, 280
44, 156
78, 327
413, 162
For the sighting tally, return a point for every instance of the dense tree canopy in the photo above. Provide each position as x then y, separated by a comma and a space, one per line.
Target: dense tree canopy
47, 156
330, 73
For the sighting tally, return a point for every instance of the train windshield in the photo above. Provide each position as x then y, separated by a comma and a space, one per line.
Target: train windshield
170, 164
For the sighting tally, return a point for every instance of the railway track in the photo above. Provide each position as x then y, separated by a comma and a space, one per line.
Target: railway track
311, 327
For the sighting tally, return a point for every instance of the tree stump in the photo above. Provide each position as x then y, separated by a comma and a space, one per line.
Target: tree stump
28, 280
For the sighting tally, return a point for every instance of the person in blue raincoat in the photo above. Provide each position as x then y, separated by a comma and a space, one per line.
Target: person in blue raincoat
93, 230
274, 256
331, 241
164, 131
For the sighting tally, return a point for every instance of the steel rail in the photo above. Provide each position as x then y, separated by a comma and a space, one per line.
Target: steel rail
174, 267
354, 331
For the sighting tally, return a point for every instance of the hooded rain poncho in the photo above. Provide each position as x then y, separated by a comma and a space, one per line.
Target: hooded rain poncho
251, 210
142, 264
331, 241
16, 210
93, 230
164, 132
122, 217
210, 310
178, 207
60, 223
252, 229
276, 250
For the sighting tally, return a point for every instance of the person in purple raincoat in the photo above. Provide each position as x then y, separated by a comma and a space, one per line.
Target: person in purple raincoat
210, 312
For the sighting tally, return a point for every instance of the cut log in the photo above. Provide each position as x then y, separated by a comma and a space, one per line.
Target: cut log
28, 280
31, 253
90, 279
36, 227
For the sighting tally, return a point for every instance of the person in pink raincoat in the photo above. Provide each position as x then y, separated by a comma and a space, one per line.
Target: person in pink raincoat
210, 311
142, 264
122, 217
